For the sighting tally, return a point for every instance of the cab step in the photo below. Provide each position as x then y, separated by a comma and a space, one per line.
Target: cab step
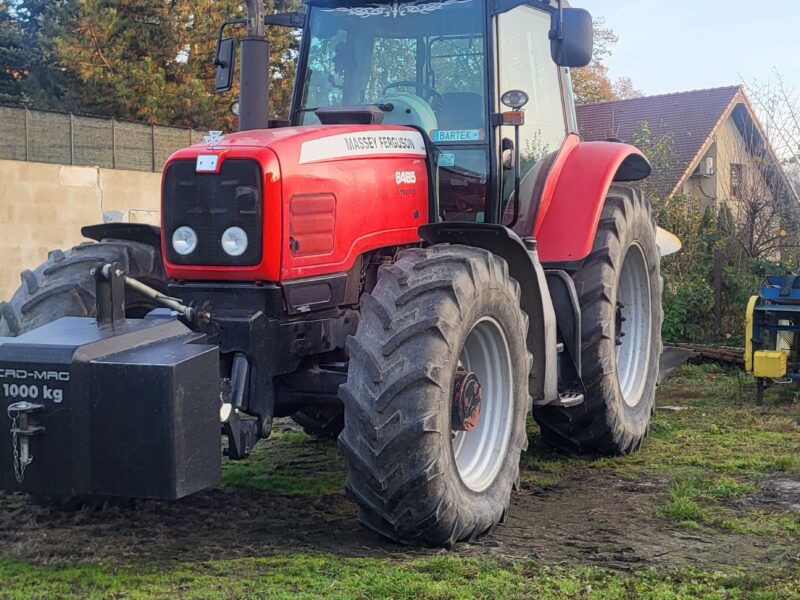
569, 399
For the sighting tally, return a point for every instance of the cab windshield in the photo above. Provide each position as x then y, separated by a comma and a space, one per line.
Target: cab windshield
421, 61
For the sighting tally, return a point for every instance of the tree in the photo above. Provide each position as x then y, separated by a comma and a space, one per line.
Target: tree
778, 105
152, 60
30, 73
591, 83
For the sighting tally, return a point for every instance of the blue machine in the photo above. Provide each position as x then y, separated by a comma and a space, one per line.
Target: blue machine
772, 323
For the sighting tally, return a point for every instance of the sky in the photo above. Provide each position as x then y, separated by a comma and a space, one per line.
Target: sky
678, 45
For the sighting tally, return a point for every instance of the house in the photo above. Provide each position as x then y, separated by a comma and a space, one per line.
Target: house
710, 145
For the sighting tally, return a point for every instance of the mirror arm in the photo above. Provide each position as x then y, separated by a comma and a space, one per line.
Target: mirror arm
559, 33
220, 32
289, 19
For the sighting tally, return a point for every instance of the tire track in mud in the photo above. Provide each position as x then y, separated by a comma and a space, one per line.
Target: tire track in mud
594, 518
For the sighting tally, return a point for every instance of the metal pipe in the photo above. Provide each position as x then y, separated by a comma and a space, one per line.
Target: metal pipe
166, 301
152, 293
254, 74
517, 177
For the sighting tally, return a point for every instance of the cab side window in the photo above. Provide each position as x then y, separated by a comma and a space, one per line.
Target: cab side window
525, 64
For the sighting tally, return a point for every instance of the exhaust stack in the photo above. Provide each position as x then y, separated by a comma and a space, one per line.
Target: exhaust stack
254, 75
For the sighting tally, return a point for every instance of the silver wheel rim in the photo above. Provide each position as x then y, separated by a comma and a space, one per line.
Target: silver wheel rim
634, 329
481, 452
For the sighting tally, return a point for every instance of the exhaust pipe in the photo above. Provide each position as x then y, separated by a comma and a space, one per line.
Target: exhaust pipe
254, 74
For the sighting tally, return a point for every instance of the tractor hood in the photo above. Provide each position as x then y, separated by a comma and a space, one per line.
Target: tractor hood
316, 143
299, 201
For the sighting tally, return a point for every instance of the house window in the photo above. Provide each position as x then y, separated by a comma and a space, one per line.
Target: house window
737, 177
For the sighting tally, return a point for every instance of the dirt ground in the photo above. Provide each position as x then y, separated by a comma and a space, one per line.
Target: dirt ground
592, 517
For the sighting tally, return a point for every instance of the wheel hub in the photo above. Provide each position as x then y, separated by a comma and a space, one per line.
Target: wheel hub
467, 399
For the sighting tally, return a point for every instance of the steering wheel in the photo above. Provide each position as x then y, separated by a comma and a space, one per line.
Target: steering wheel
436, 99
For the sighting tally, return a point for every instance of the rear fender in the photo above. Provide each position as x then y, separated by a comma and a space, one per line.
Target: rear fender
523, 266
567, 223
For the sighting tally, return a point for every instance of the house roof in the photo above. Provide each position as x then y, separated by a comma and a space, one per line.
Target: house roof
689, 117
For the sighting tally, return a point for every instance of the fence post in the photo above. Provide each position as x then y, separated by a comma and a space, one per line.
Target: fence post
153, 145
113, 143
717, 281
27, 138
71, 139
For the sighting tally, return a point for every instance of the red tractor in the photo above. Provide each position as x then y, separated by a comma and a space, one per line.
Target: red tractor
424, 254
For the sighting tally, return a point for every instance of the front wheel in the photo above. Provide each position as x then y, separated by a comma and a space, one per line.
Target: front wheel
436, 397
619, 288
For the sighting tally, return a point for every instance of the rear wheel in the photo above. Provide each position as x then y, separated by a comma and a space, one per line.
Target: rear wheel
63, 287
619, 287
436, 397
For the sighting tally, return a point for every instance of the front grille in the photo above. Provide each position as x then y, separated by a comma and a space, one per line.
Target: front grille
209, 203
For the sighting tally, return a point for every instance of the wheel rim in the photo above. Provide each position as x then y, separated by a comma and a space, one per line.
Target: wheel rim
480, 452
633, 325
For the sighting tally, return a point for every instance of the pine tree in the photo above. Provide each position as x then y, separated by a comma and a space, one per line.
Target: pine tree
30, 74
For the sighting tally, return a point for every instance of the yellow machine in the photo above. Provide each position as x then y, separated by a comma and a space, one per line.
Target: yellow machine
771, 322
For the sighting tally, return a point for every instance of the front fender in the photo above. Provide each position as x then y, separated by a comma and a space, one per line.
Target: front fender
566, 230
134, 232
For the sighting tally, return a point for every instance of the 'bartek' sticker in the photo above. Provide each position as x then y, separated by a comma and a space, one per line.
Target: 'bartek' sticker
369, 143
457, 135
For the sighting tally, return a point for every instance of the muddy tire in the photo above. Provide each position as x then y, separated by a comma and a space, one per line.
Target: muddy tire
63, 287
619, 287
432, 312
321, 421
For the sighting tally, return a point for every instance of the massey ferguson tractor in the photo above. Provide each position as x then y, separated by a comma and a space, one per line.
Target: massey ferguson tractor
421, 256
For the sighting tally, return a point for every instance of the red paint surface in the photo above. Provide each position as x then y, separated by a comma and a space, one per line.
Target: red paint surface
565, 230
570, 143
362, 203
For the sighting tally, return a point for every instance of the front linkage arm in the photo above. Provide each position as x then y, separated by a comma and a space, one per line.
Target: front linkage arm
241, 431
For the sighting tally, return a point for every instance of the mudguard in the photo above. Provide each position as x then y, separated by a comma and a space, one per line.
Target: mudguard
567, 223
134, 232
524, 266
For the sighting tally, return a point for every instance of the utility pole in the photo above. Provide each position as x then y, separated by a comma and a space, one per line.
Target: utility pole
254, 74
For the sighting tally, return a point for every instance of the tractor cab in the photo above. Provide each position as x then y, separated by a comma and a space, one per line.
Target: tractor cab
443, 67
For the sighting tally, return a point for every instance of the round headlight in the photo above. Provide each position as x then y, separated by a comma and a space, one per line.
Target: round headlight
184, 240
234, 241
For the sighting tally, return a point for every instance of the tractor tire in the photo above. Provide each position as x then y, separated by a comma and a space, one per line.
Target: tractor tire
321, 421
436, 318
619, 287
63, 286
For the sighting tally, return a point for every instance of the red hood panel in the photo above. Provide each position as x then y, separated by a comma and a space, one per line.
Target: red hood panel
331, 193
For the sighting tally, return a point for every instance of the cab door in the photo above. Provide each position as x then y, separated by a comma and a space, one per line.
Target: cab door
524, 63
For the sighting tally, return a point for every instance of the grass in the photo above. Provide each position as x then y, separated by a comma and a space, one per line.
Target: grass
439, 577
707, 460
712, 453
291, 463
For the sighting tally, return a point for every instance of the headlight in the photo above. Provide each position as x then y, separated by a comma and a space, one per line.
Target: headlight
184, 240
234, 241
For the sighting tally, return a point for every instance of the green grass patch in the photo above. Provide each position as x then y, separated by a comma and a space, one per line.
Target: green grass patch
290, 463
438, 577
710, 454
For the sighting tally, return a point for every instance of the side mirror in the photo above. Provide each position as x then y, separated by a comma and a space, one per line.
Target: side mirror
571, 37
225, 62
